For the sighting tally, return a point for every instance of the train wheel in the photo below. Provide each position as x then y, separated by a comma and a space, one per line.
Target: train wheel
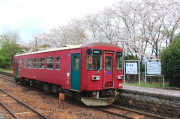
16, 80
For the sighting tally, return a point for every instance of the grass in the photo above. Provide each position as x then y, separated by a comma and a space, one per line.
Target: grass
6, 70
142, 84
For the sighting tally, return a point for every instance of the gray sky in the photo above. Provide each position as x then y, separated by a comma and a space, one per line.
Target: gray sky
30, 17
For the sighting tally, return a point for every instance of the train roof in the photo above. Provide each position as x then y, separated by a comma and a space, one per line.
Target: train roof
71, 47
99, 44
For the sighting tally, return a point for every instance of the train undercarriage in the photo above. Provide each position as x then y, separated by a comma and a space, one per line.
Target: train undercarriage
90, 98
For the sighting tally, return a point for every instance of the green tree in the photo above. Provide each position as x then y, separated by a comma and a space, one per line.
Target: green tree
171, 62
4, 61
9, 46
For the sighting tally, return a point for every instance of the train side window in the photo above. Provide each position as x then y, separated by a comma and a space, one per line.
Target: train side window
76, 63
24, 63
29, 62
57, 62
41, 63
49, 62
34, 63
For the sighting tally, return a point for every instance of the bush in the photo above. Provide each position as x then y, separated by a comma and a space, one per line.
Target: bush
4, 62
171, 63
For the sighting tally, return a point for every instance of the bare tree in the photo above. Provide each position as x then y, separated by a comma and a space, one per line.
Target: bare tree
138, 27
90, 23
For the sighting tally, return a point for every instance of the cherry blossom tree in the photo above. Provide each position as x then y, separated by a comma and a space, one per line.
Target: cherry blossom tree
140, 27
91, 23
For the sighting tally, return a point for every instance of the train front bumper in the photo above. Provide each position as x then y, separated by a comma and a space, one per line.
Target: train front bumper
98, 101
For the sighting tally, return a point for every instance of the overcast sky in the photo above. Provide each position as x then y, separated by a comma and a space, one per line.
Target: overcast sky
30, 17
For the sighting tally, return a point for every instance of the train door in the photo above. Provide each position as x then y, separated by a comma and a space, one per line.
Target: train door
17, 70
75, 71
108, 69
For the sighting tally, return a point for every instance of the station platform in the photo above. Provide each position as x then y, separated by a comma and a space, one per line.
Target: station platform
162, 91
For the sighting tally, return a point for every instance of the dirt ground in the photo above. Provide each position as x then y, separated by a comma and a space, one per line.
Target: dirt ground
48, 103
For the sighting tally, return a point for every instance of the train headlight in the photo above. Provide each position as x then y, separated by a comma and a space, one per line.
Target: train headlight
120, 77
95, 78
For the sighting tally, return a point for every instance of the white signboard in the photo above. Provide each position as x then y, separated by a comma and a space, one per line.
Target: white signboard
154, 68
131, 68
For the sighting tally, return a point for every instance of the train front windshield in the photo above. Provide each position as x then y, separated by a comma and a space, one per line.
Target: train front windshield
94, 59
119, 61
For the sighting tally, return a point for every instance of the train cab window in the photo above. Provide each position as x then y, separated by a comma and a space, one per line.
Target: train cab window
49, 63
93, 59
29, 62
41, 63
24, 63
57, 63
108, 63
34, 63
119, 61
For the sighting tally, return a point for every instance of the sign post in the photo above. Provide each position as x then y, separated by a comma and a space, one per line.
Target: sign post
61, 97
153, 69
132, 68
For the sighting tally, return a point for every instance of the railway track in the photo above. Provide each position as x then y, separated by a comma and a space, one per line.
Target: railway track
113, 109
7, 78
127, 113
18, 109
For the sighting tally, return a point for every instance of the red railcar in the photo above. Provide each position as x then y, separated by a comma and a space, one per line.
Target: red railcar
90, 72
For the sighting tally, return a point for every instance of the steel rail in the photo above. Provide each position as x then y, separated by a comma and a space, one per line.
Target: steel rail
7, 78
131, 110
121, 115
143, 113
3, 75
9, 110
25, 104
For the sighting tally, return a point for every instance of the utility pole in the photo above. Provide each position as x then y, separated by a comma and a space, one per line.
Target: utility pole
36, 43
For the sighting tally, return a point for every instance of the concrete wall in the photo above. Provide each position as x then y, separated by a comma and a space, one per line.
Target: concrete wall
164, 105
